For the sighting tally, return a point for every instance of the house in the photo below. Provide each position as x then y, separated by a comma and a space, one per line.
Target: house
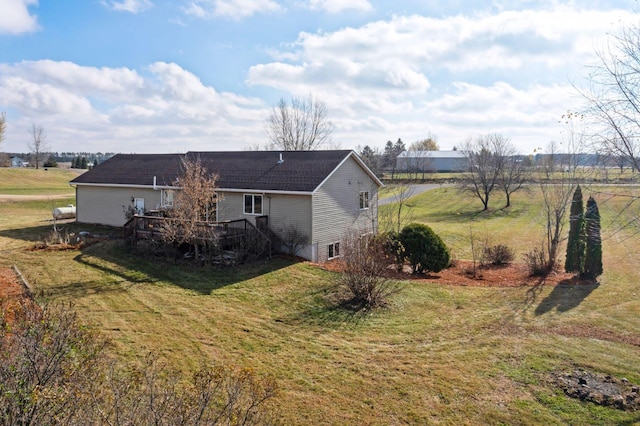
321, 194
431, 161
18, 162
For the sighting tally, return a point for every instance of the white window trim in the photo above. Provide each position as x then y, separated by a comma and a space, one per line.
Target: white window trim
334, 245
366, 199
253, 204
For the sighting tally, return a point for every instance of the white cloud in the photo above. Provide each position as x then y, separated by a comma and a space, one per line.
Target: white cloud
508, 40
456, 76
337, 6
131, 6
529, 117
234, 9
164, 109
15, 17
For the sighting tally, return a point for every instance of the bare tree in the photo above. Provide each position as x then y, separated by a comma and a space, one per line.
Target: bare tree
294, 239
613, 96
395, 215
194, 206
557, 181
38, 146
301, 125
365, 272
56, 371
514, 174
485, 158
557, 190
417, 163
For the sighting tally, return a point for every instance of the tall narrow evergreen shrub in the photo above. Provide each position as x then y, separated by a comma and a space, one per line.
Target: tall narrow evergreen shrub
593, 255
577, 237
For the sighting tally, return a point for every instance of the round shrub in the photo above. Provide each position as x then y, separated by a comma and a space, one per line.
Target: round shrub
424, 249
498, 254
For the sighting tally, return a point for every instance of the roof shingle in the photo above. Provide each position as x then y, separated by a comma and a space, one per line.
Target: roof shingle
300, 171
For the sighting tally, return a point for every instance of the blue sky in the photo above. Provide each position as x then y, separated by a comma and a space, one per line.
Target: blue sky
172, 76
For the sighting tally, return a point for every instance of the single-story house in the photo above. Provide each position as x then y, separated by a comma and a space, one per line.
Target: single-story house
431, 161
18, 162
321, 194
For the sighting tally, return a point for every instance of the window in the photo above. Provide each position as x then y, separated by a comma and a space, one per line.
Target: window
333, 250
252, 204
138, 204
167, 198
364, 200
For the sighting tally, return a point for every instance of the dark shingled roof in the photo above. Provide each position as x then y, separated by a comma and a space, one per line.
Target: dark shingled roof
300, 171
133, 169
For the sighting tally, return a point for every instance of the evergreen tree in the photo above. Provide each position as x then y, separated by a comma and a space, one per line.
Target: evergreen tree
593, 256
424, 249
576, 243
51, 162
83, 163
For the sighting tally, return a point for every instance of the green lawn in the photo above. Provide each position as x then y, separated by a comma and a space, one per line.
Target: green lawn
29, 181
438, 354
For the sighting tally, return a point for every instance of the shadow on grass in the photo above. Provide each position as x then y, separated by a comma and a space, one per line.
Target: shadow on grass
630, 422
115, 259
112, 258
475, 215
330, 309
38, 233
79, 289
565, 296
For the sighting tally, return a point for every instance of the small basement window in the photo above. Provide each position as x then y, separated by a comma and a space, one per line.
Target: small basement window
333, 251
252, 204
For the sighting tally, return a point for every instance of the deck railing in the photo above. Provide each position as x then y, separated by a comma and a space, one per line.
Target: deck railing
238, 236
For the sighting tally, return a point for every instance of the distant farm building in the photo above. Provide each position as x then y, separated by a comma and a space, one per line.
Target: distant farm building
431, 161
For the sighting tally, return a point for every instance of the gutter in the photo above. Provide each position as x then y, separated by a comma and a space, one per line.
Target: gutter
156, 187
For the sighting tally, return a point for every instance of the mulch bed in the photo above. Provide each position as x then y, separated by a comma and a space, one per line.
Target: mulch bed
14, 297
461, 273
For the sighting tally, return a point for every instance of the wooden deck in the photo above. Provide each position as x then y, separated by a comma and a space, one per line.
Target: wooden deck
240, 236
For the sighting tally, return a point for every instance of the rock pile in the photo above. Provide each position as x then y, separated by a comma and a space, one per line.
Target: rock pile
600, 389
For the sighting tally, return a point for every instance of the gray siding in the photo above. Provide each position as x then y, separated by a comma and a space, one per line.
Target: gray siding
336, 207
285, 211
105, 205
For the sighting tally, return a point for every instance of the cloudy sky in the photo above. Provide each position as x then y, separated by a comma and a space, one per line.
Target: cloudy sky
177, 75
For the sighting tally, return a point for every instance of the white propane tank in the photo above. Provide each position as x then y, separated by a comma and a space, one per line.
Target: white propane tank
68, 212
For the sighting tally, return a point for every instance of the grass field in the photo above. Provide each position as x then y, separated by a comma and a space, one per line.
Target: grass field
438, 354
29, 181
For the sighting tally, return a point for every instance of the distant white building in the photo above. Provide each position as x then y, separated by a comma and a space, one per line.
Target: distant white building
431, 161
18, 162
